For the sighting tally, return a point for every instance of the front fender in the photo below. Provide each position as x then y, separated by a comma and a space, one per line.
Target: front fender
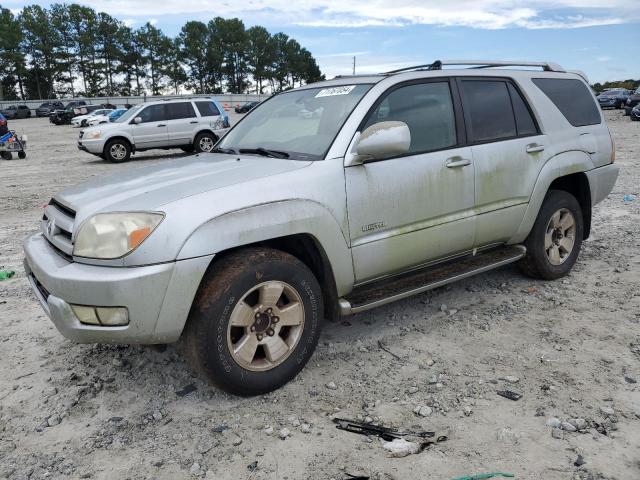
560, 165
274, 220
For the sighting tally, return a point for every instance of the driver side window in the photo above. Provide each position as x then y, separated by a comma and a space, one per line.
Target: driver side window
427, 109
153, 113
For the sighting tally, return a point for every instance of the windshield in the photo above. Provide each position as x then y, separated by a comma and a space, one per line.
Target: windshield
129, 114
300, 124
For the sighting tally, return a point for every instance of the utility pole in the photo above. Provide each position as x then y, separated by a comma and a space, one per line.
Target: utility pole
354, 64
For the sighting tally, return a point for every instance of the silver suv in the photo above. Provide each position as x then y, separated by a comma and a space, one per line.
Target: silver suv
192, 125
399, 183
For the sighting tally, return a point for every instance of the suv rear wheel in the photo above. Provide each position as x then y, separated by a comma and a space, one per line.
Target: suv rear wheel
255, 321
556, 237
117, 151
204, 142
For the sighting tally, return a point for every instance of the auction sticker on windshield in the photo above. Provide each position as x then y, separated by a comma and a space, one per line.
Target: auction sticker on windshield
330, 92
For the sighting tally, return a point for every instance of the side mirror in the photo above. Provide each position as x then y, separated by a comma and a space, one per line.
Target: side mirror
384, 139
137, 120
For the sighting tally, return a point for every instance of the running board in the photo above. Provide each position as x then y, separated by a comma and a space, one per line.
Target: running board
389, 290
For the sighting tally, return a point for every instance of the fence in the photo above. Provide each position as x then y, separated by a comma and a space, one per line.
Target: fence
230, 99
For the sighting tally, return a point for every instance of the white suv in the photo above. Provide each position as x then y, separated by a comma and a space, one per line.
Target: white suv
192, 125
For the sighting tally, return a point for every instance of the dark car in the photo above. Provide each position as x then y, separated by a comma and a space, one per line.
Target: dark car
47, 108
16, 111
635, 113
247, 107
63, 116
615, 98
632, 101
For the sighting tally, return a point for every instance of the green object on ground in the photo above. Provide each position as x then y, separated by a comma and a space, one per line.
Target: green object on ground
482, 476
5, 274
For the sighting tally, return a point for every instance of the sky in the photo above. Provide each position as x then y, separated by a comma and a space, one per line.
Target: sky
599, 37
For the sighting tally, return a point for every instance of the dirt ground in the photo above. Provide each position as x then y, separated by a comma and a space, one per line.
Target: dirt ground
570, 347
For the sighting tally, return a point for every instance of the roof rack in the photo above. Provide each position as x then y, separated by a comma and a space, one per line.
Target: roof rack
438, 64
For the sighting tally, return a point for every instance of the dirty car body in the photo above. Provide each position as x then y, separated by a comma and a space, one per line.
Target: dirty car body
363, 198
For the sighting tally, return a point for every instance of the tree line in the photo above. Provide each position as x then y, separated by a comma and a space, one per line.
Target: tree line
628, 84
72, 50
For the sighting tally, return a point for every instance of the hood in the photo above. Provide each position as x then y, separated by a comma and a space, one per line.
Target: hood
151, 187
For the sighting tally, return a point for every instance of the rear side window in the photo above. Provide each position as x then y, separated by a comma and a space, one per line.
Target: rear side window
572, 98
176, 111
488, 111
207, 109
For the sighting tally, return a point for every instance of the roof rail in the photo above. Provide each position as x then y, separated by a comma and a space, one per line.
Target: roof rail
438, 64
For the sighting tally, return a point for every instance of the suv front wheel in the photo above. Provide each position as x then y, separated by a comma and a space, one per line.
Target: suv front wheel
117, 151
255, 321
204, 142
556, 237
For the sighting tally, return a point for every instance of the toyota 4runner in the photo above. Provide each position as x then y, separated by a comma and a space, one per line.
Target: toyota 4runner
192, 125
401, 183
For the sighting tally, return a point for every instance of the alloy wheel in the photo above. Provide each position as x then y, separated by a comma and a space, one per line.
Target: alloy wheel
265, 326
560, 236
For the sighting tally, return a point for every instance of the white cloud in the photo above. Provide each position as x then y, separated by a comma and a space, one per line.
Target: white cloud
129, 22
486, 14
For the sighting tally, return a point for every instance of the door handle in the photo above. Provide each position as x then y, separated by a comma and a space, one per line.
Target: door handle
193, 121
161, 125
455, 162
534, 148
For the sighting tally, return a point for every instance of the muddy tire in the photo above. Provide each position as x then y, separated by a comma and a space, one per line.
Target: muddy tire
117, 151
555, 239
255, 321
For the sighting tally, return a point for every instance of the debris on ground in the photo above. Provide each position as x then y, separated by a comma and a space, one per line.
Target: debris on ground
399, 447
511, 395
6, 274
385, 433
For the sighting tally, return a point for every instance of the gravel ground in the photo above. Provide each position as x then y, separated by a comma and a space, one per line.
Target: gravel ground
571, 347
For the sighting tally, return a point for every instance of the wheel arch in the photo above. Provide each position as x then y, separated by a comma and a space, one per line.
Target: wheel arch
118, 137
565, 171
302, 228
205, 130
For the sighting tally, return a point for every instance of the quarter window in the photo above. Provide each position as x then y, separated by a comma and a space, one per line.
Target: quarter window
153, 113
207, 109
524, 120
573, 99
177, 111
488, 111
427, 109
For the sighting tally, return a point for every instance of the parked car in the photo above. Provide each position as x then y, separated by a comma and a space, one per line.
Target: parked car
615, 98
247, 107
83, 120
632, 101
63, 116
192, 125
112, 116
45, 109
635, 113
407, 181
13, 112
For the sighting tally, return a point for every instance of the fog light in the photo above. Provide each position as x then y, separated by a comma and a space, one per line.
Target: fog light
104, 316
85, 314
113, 316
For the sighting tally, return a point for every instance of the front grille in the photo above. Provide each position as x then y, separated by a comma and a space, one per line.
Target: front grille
57, 227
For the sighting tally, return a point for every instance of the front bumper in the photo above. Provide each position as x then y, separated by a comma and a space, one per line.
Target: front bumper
158, 297
92, 146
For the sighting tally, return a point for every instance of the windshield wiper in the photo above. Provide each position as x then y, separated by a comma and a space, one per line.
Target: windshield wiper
265, 152
224, 150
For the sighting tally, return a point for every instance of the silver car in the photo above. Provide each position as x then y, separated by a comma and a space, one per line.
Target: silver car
402, 182
193, 125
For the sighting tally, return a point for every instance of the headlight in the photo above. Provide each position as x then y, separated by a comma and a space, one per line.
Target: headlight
94, 134
113, 235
